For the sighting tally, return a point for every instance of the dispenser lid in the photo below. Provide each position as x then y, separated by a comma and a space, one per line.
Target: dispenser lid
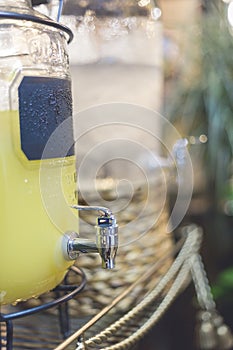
30, 14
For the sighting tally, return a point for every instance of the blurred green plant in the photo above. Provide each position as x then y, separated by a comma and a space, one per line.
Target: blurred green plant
202, 103
223, 287
203, 99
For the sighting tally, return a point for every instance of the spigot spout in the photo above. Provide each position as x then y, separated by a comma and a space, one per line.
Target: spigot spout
107, 240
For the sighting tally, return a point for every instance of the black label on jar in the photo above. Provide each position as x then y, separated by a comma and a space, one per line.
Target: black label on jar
44, 104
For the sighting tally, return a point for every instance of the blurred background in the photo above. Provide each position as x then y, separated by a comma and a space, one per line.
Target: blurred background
174, 57
198, 99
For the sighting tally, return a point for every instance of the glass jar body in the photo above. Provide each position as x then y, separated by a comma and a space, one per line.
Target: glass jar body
37, 178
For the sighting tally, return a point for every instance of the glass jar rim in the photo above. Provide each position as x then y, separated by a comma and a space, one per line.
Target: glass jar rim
37, 19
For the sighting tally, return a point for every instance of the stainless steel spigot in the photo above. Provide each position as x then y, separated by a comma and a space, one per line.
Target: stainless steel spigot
107, 240
106, 243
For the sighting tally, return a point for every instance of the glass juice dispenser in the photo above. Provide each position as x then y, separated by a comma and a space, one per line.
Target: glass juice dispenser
35, 94
38, 223
38, 226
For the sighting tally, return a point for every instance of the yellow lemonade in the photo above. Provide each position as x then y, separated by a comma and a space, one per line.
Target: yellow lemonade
33, 217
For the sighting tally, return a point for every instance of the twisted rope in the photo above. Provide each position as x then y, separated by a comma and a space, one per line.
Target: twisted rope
201, 283
190, 248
